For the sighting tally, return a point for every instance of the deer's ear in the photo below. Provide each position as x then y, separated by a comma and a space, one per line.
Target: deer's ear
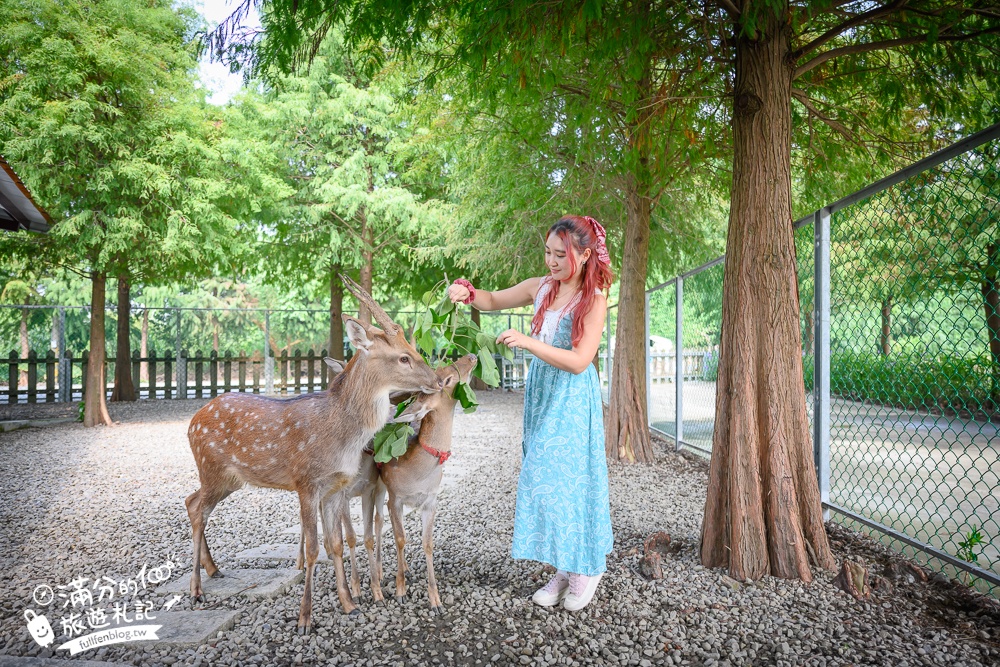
337, 366
357, 334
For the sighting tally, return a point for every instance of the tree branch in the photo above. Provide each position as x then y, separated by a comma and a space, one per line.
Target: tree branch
801, 96
884, 45
847, 25
730, 7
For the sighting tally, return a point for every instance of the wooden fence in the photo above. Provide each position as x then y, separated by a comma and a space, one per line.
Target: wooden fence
50, 379
662, 365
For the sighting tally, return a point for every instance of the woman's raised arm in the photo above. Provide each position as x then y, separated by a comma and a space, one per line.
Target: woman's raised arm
521, 294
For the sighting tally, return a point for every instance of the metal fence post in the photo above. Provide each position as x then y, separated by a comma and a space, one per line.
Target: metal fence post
649, 374
821, 358
268, 359
181, 386
65, 377
61, 342
679, 363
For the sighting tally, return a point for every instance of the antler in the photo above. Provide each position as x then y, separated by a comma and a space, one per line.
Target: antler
383, 319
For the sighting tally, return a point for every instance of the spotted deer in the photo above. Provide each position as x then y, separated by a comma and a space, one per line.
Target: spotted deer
311, 444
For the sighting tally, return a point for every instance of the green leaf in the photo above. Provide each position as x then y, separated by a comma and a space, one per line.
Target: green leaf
487, 370
391, 442
463, 394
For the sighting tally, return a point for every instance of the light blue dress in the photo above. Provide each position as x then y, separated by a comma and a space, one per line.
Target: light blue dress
563, 515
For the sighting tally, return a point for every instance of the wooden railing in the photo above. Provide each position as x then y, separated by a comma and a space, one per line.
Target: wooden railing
48, 379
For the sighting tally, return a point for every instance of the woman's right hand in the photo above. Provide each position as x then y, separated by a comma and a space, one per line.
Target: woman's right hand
458, 293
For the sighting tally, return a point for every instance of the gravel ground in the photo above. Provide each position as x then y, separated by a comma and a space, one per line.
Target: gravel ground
105, 501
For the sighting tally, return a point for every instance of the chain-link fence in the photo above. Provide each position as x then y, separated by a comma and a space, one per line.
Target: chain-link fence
899, 287
914, 340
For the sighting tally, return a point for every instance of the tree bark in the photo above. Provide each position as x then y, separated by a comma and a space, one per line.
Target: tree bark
991, 308
626, 422
367, 264
95, 405
336, 311
885, 338
124, 389
144, 347
763, 513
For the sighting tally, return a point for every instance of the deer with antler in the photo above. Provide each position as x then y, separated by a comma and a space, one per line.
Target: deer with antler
311, 444
413, 479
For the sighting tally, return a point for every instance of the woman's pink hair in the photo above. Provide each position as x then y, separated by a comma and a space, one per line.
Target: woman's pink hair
576, 232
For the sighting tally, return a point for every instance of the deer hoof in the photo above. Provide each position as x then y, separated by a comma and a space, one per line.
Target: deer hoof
354, 612
217, 574
437, 611
199, 598
304, 629
400, 599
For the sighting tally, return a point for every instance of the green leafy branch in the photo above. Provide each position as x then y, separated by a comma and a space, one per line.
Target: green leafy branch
967, 548
442, 330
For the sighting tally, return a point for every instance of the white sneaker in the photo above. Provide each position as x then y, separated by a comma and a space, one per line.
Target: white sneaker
553, 592
581, 591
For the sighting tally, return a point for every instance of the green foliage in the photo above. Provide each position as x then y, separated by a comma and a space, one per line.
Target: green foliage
341, 139
914, 381
967, 548
444, 330
391, 441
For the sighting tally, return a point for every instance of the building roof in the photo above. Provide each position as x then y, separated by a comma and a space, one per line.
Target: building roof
17, 208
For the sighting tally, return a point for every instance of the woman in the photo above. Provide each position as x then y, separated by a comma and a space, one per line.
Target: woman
563, 516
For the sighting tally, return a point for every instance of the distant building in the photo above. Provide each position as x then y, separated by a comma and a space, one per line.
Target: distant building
17, 208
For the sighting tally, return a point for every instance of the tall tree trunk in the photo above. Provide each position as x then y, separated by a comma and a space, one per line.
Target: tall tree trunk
991, 308
367, 263
25, 344
763, 513
124, 389
95, 405
144, 347
626, 435
885, 338
336, 313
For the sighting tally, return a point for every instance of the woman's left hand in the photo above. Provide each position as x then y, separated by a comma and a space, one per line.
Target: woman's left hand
513, 338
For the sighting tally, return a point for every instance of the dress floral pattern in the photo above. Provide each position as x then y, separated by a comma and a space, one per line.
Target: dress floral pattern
563, 514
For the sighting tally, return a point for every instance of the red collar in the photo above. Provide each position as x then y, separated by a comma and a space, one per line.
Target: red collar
440, 456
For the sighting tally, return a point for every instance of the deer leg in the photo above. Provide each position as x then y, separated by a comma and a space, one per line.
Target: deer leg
379, 525
374, 565
211, 569
396, 517
352, 542
193, 503
427, 514
332, 518
308, 507
199, 505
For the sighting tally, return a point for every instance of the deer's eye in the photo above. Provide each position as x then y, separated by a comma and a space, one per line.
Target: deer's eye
404, 360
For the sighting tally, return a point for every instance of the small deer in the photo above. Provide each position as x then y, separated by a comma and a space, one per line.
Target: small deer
414, 478
311, 444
